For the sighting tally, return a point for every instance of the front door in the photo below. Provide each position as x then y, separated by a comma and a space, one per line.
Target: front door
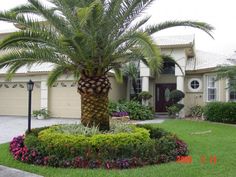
163, 96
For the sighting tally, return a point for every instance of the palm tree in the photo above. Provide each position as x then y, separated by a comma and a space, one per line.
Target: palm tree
86, 38
131, 70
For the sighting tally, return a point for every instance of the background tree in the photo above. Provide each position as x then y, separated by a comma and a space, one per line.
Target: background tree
228, 72
86, 38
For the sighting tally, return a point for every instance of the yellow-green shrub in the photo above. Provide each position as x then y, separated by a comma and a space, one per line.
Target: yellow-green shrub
66, 145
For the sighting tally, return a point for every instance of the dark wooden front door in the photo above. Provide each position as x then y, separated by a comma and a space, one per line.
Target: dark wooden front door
162, 96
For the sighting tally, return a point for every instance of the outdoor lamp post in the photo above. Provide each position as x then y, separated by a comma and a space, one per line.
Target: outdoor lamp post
30, 87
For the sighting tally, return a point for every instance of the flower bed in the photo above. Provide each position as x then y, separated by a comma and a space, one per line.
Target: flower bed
142, 146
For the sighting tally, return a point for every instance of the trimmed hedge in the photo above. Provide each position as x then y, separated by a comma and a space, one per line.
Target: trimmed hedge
221, 112
145, 145
67, 146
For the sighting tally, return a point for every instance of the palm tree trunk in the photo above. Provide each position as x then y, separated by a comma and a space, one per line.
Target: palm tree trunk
94, 101
134, 85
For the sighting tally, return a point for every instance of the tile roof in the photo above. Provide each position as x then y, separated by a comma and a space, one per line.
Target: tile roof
206, 60
10, 30
45, 67
182, 40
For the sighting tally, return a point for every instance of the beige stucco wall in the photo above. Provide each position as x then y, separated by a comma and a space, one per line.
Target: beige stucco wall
200, 97
222, 90
193, 98
118, 90
165, 79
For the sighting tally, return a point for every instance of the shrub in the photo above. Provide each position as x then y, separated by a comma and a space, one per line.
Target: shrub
172, 110
221, 112
77, 129
155, 132
144, 95
135, 110
119, 127
175, 107
176, 96
42, 112
59, 144
196, 111
121, 150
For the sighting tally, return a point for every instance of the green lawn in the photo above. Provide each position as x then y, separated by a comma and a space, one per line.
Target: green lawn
221, 141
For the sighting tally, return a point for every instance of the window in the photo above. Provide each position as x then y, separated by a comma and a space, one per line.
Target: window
168, 68
232, 95
232, 90
211, 88
195, 84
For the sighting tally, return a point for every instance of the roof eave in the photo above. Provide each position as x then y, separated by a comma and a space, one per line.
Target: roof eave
176, 46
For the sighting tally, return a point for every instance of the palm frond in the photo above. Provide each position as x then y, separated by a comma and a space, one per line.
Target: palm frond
168, 58
58, 71
149, 50
90, 36
60, 23
118, 75
26, 8
169, 24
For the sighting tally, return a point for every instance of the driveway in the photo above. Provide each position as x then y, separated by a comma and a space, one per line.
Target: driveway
13, 126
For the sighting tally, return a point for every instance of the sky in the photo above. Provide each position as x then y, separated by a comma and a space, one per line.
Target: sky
220, 14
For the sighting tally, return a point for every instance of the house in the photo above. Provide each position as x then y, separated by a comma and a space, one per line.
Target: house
197, 78
197, 81
62, 99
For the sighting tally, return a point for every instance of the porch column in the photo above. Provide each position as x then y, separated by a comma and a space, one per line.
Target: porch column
44, 95
145, 74
227, 90
145, 87
180, 86
128, 89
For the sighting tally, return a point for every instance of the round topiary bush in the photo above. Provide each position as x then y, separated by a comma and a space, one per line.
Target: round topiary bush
75, 146
176, 95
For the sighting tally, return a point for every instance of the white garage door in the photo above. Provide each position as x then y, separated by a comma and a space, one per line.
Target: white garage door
14, 99
64, 101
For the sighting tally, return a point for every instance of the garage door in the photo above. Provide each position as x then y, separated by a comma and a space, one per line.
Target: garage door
64, 101
14, 98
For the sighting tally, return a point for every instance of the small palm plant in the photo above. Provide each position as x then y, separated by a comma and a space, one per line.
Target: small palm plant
85, 38
131, 70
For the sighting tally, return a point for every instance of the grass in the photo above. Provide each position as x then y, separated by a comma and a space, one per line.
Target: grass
218, 140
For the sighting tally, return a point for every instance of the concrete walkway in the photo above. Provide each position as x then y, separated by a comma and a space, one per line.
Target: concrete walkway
14, 126
11, 172
153, 121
